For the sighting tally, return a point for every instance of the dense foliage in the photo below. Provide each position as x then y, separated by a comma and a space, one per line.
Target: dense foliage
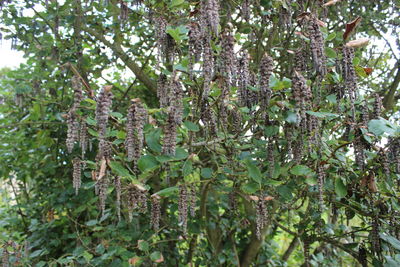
200, 133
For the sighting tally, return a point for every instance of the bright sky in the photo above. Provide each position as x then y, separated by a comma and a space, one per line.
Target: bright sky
10, 58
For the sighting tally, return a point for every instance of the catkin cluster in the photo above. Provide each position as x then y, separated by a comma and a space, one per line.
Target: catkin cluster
261, 215
155, 212
183, 207
375, 239
195, 45
210, 15
72, 117
102, 185
377, 106
118, 191
175, 114
104, 102
136, 118
76, 174
245, 79
317, 47
394, 152
349, 76
136, 199
83, 137
266, 68
321, 180
303, 98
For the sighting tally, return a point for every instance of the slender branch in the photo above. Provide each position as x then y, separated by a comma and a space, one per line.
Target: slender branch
119, 52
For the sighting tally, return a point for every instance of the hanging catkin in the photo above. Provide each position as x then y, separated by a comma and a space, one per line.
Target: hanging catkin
72, 118
104, 102
195, 46
183, 207
266, 67
136, 199
317, 47
137, 117
76, 174
83, 137
350, 77
155, 212
377, 106
117, 184
210, 15
261, 215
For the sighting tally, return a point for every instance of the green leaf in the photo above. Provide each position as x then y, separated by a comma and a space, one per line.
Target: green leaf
91, 223
253, 171
391, 240
285, 192
153, 140
143, 245
250, 188
119, 169
36, 253
340, 188
331, 36
91, 121
156, 256
191, 126
176, 3
322, 114
93, 132
301, 170
167, 191
147, 163
379, 127
330, 52
271, 131
180, 154
206, 173
187, 168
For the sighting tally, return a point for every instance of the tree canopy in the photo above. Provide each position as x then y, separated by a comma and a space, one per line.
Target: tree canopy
200, 133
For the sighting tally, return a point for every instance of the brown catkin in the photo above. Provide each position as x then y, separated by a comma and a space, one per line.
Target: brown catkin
377, 106
161, 38
394, 152
183, 207
136, 199
321, 180
261, 215
83, 137
117, 184
210, 15
155, 212
163, 90
349, 76
317, 47
192, 199
195, 46
103, 188
303, 98
306, 251
76, 174
300, 63
103, 108
266, 67
375, 239
73, 130
136, 119
208, 66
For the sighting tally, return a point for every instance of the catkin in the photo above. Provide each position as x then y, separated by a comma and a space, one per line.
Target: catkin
266, 67
117, 184
350, 77
104, 102
137, 117
317, 47
261, 215
76, 174
155, 212
183, 207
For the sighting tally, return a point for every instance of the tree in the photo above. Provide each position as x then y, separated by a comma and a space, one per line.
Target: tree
201, 133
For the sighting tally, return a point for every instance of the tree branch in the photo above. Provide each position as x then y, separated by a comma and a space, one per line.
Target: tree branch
119, 52
389, 99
